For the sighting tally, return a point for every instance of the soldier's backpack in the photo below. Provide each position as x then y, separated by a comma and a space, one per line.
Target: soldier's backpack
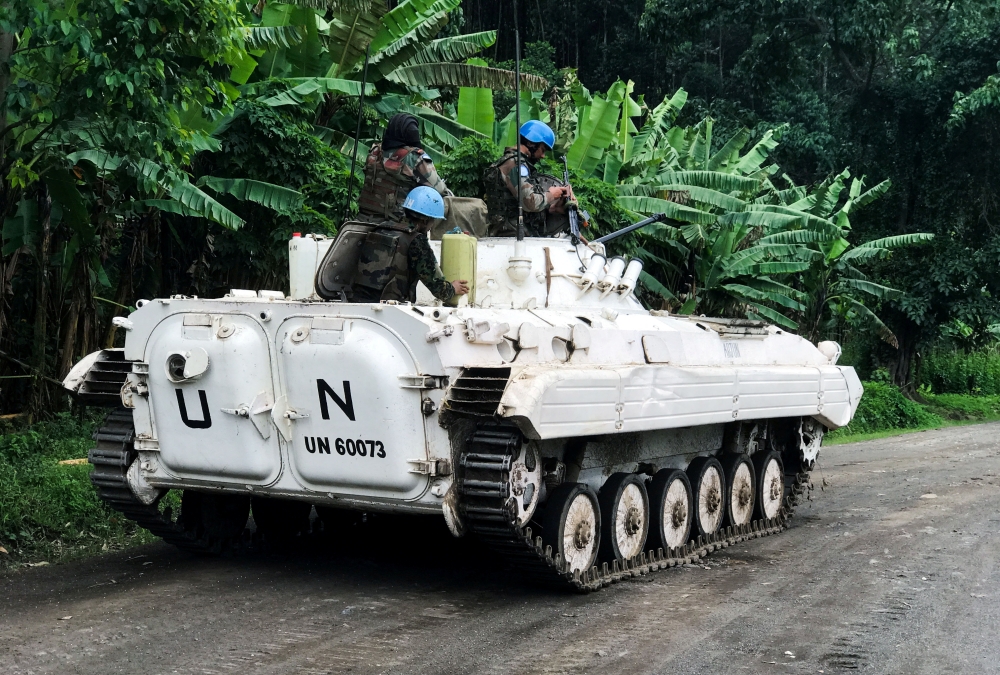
367, 262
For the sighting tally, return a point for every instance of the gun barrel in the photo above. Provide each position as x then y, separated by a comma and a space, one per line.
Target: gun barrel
655, 218
574, 216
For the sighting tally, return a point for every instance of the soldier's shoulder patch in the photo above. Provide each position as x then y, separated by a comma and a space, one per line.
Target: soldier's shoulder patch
524, 171
424, 156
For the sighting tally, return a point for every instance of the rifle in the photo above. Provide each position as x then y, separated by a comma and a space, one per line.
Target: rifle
574, 215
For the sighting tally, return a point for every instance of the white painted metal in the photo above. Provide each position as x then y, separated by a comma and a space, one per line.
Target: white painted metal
676, 514
709, 499
773, 487
581, 363
580, 533
741, 495
526, 482
631, 521
304, 256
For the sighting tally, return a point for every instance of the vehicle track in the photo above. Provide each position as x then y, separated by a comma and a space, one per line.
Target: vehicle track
869, 577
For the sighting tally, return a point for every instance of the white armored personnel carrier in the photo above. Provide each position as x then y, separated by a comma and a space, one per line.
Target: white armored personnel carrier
549, 414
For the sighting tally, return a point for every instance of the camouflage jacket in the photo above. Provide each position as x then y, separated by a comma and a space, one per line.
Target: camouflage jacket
389, 178
424, 266
393, 258
501, 199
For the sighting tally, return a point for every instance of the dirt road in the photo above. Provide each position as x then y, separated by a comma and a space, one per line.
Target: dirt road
891, 568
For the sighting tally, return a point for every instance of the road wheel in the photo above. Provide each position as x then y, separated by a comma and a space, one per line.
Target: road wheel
708, 485
624, 516
770, 483
280, 521
670, 509
572, 525
217, 520
740, 488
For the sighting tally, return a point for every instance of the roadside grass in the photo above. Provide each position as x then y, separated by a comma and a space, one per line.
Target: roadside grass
884, 412
49, 512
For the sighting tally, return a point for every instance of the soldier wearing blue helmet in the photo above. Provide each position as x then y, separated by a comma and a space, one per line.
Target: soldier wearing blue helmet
396, 255
543, 198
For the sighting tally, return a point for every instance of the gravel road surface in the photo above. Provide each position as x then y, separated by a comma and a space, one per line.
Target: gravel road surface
890, 568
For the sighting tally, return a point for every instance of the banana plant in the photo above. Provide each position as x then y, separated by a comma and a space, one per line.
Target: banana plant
406, 65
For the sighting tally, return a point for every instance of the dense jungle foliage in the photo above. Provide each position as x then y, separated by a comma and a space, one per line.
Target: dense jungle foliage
838, 156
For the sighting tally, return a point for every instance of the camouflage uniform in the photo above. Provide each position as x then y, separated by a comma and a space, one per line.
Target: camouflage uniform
389, 178
393, 257
501, 190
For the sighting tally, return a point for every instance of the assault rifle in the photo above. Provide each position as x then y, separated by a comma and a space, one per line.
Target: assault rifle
574, 215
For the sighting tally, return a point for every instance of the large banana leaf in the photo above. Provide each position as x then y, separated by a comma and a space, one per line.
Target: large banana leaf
268, 37
713, 180
655, 286
862, 314
706, 196
350, 32
764, 219
462, 75
870, 287
874, 193
305, 87
447, 132
338, 5
454, 49
729, 152
266, 194
403, 50
758, 154
406, 16
475, 106
204, 205
596, 132
879, 248
822, 201
766, 313
656, 125
676, 211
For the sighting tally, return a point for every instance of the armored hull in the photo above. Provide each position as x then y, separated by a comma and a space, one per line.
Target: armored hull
550, 414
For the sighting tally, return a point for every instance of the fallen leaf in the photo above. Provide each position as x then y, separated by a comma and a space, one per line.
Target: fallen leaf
929, 495
65, 618
3, 550
38, 564
69, 462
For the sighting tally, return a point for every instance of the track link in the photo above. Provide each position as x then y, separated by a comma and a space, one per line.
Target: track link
483, 485
111, 457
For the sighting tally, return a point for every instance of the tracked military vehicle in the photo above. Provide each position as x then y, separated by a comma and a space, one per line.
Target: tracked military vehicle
549, 414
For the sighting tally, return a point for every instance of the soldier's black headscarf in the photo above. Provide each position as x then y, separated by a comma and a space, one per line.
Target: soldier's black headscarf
402, 129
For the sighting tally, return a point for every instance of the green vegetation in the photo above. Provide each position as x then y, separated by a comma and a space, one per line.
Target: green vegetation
49, 511
156, 148
884, 411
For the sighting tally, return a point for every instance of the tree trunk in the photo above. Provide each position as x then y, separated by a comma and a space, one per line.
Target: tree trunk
70, 328
39, 388
902, 368
6, 49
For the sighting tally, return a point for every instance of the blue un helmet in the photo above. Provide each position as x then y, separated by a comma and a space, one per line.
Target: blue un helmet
425, 201
538, 132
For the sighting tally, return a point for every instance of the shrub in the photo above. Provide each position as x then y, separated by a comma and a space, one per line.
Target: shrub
464, 166
884, 407
51, 510
960, 372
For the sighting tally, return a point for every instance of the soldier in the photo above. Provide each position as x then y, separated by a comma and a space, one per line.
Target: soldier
393, 168
543, 197
397, 255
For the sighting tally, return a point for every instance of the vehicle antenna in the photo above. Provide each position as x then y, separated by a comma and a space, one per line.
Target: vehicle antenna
517, 120
357, 134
